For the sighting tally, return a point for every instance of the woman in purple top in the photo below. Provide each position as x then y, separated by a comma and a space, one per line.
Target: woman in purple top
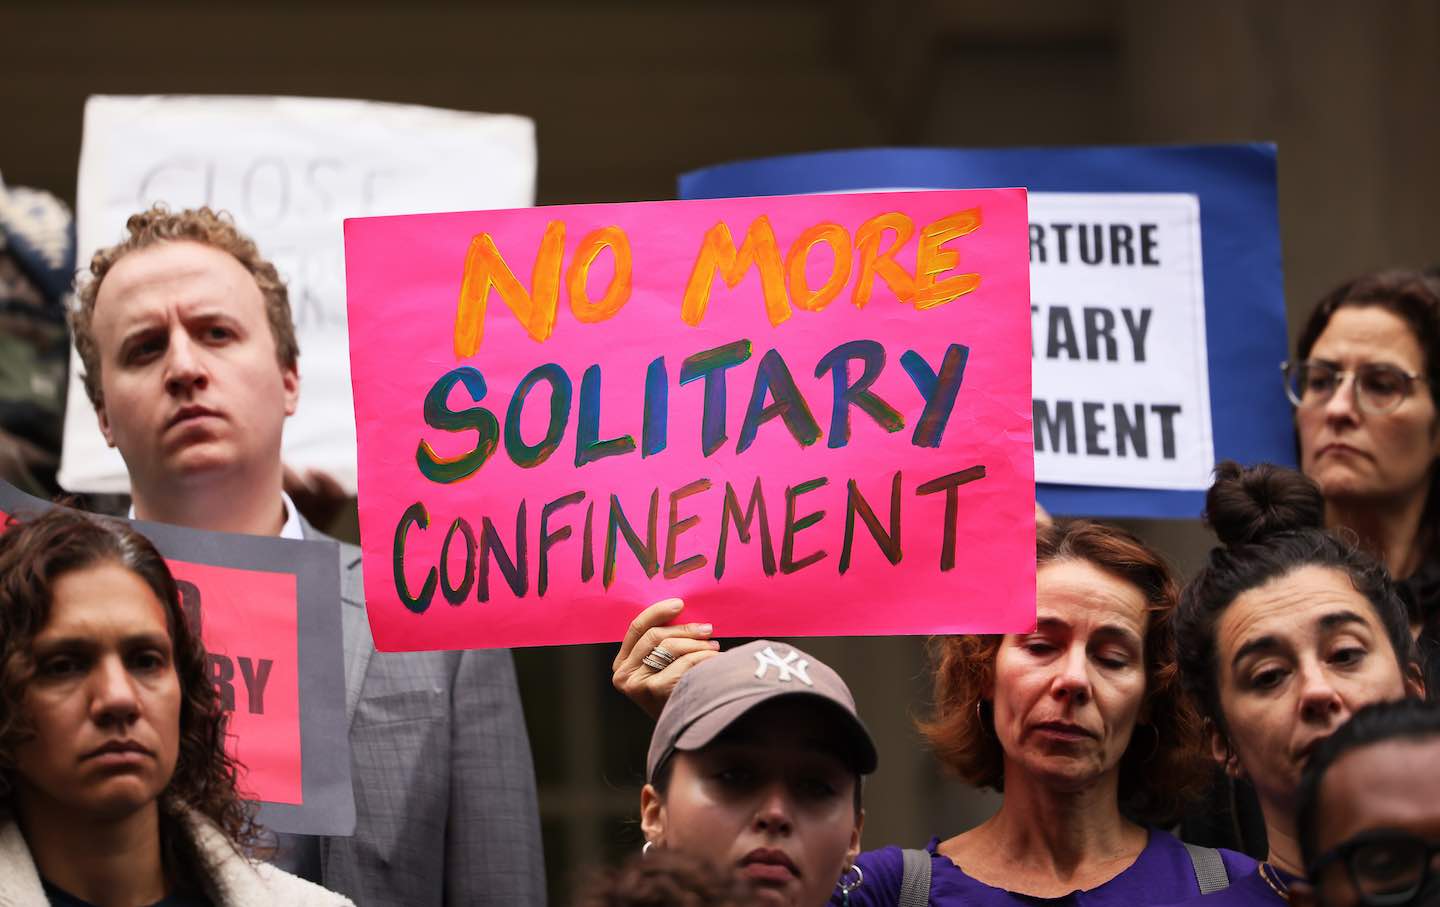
1282, 636
1082, 725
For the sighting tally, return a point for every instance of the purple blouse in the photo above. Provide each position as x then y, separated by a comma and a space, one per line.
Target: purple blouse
1162, 874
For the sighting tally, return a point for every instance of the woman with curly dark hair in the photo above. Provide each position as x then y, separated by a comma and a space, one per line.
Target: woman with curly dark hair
1286, 632
115, 787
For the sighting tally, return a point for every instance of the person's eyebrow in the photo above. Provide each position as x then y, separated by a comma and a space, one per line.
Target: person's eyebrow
88, 644
1053, 624
155, 640
1262, 644
211, 314
47, 645
1121, 631
1050, 624
1338, 619
139, 333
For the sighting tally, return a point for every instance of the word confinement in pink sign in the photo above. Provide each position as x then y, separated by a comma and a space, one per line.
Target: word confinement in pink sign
804, 415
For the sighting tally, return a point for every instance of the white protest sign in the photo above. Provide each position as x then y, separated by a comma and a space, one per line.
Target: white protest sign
1120, 378
289, 170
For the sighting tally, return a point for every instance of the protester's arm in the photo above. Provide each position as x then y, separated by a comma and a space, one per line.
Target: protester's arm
690, 644
493, 855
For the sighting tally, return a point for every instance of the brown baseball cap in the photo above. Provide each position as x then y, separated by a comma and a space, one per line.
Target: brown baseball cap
719, 691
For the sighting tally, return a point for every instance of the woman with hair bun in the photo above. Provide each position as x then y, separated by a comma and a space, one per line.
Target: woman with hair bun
1284, 634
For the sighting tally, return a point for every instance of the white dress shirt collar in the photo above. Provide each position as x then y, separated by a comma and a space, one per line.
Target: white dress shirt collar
292, 528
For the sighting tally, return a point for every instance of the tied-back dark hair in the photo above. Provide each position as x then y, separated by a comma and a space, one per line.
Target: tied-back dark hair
1269, 521
1159, 772
1403, 719
34, 554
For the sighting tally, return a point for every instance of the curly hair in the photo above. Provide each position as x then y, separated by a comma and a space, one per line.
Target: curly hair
1268, 520
159, 225
34, 554
666, 878
1155, 783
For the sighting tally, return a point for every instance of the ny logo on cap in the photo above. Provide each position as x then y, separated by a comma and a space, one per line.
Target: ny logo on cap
792, 665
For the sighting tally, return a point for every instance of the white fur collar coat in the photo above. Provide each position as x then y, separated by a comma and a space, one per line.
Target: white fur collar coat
231, 879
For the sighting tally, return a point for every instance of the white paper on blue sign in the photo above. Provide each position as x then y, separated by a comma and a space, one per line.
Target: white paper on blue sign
1121, 375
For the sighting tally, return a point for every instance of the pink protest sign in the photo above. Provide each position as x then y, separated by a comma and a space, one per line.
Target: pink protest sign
805, 416
248, 620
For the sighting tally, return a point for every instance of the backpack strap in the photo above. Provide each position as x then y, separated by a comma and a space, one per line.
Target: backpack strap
915, 884
1209, 868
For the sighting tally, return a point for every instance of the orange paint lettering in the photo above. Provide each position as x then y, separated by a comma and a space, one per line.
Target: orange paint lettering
486, 268
833, 235
873, 261
718, 254
932, 259
618, 293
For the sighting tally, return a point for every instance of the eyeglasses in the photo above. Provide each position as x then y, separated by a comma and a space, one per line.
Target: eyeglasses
1379, 387
1387, 868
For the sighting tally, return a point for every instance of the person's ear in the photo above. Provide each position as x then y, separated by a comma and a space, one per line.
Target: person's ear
1222, 752
1302, 895
652, 815
1414, 681
290, 379
103, 418
853, 851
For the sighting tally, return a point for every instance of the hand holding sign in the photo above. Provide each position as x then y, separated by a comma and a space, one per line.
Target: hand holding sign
639, 675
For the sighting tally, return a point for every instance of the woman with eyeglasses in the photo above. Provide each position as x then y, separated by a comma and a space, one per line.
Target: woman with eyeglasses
1365, 383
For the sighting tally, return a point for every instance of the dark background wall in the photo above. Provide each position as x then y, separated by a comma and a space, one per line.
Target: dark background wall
626, 95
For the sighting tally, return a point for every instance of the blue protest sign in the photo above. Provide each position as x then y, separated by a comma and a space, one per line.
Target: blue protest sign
1158, 316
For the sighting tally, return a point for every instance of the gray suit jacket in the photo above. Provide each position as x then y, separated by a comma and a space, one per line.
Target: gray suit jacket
444, 785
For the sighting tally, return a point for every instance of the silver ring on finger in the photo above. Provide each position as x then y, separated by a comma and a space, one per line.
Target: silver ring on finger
658, 659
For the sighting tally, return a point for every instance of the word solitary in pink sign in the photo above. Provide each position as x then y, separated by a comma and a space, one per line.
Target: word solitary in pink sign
805, 416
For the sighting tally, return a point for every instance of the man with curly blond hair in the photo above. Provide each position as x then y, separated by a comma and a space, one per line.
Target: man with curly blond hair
191, 362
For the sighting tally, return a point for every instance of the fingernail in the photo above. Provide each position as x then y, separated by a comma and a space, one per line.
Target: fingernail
714, 644
703, 629
674, 604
